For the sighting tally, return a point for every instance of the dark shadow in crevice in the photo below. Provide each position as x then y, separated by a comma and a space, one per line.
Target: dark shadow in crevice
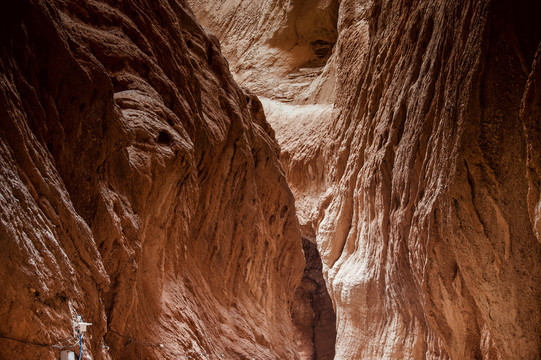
312, 311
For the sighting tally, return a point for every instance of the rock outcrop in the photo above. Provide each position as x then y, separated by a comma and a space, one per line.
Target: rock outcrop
140, 188
531, 117
421, 186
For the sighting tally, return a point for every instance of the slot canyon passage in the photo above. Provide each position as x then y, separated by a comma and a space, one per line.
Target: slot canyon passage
360, 179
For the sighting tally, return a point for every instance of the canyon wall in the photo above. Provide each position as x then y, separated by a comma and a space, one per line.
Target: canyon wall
281, 51
417, 174
140, 188
426, 237
275, 48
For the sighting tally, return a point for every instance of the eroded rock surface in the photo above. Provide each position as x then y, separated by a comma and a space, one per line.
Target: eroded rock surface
426, 236
283, 52
275, 48
140, 188
425, 201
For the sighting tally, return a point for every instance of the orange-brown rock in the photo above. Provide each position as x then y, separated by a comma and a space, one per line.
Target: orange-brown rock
283, 53
531, 117
276, 49
421, 186
140, 188
429, 246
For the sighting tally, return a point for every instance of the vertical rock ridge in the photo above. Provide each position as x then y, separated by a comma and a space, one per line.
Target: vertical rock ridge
285, 53
141, 188
438, 232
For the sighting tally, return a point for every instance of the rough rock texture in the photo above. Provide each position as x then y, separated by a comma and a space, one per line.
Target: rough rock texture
140, 188
300, 130
275, 48
426, 238
283, 51
428, 215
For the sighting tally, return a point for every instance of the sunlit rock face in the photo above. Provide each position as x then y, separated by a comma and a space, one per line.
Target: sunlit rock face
426, 237
140, 188
420, 185
274, 48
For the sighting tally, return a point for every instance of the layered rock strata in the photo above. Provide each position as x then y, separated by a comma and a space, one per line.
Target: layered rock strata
427, 202
141, 188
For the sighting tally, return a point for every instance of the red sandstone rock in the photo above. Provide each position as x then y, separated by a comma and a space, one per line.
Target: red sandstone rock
276, 49
280, 51
426, 172
141, 188
426, 236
